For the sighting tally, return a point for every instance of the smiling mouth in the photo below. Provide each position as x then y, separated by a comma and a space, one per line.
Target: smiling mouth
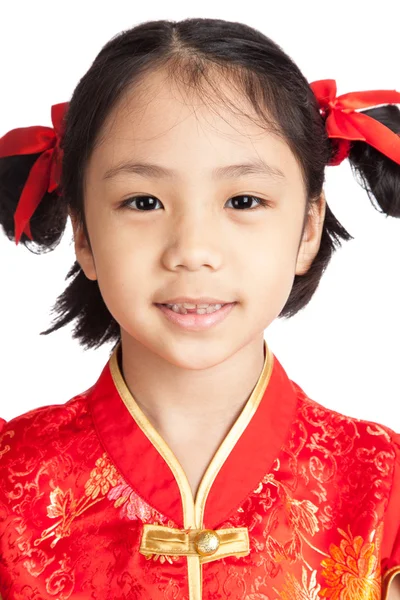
196, 320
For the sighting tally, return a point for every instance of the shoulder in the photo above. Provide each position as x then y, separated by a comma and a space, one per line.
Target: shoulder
43, 430
361, 452
335, 423
44, 453
53, 467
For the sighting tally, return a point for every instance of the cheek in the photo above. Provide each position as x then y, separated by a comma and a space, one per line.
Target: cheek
124, 286
273, 250
124, 272
270, 267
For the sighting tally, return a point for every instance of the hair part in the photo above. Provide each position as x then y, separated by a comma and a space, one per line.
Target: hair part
193, 53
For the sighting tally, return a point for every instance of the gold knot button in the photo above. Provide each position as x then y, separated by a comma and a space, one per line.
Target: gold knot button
207, 542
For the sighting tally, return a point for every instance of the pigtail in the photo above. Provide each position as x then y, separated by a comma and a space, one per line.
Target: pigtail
31, 204
49, 219
374, 171
368, 138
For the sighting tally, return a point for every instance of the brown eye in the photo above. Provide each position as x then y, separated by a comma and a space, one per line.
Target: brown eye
247, 201
142, 201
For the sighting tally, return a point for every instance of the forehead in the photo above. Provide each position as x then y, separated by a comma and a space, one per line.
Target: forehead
170, 122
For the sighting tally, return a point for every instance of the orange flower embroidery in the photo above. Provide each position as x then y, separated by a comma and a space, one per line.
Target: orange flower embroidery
353, 571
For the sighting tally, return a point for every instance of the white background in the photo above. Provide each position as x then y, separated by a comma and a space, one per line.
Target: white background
343, 348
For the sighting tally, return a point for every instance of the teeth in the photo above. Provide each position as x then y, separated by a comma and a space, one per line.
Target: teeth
201, 309
188, 305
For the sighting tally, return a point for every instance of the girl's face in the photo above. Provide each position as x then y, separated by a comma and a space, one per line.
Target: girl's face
193, 233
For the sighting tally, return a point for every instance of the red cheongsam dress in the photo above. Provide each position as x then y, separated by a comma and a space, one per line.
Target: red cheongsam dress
299, 502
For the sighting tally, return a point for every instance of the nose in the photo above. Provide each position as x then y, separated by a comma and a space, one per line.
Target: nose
195, 241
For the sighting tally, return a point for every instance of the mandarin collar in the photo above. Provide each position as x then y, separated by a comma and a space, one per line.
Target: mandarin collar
150, 468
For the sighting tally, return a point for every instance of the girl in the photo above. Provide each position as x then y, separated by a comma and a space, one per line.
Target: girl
194, 467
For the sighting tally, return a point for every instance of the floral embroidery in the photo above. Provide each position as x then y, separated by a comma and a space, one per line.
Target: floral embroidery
134, 507
302, 515
307, 590
327, 476
332, 471
67, 508
102, 478
353, 571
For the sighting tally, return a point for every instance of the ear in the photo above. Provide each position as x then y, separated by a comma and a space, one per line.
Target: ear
83, 252
311, 239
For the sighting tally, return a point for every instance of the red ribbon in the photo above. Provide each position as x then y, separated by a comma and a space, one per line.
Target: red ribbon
45, 172
345, 124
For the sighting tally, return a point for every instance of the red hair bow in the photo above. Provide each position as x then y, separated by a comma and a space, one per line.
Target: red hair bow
45, 173
344, 123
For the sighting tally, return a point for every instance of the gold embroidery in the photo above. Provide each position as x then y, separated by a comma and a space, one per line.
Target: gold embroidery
67, 508
10, 433
162, 558
168, 541
193, 511
351, 570
280, 521
293, 590
102, 478
302, 514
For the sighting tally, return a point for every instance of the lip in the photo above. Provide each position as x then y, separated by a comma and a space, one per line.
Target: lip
201, 300
195, 322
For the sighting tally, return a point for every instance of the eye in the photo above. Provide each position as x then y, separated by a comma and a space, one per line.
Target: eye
248, 199
142, 201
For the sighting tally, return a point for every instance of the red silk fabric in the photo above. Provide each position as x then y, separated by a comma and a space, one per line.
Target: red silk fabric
318, 491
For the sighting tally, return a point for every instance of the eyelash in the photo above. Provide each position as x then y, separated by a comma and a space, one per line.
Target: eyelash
261, 201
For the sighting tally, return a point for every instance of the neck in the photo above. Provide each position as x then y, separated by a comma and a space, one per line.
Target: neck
186, 400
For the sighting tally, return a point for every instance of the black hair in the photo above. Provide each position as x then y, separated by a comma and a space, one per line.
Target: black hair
191, 51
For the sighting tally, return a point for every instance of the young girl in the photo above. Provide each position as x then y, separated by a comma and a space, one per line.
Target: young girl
194, 467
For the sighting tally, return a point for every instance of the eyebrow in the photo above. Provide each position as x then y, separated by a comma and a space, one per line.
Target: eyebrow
145, 169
